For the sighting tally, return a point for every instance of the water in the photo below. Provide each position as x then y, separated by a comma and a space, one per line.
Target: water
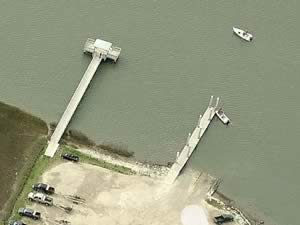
174, 56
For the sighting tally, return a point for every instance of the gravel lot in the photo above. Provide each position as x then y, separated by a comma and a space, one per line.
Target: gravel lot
116, 199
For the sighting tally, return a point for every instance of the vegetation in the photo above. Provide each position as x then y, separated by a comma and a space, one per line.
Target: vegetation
97, 162
22, 136
74, 136
116, 149
77, 138
38, 168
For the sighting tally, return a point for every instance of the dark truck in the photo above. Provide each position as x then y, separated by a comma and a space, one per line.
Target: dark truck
29, 213
223, 219
45, 188
70, 157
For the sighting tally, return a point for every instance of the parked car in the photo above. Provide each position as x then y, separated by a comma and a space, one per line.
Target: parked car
223, 219
15, 222
70, 157
45, 188
29, 213
40, 198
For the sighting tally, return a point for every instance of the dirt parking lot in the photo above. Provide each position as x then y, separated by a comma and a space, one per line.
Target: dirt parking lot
116, 199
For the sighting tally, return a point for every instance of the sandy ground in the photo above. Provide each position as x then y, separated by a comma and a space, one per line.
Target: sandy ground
116, 199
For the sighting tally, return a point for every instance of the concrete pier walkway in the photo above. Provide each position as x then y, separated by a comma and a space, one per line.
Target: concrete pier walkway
192, 142
100, 50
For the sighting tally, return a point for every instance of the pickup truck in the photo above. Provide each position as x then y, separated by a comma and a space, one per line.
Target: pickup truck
223, 219
70, 157
45, 188
40, 198
29, 213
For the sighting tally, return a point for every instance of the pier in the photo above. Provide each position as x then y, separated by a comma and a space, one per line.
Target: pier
100, 51
192, 141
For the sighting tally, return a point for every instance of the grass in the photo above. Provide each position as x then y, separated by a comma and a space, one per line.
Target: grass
21, 141
24, 176
38, 169
97, 162
116, 149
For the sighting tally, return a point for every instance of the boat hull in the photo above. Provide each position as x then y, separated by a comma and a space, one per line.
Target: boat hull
243, 34
223, 117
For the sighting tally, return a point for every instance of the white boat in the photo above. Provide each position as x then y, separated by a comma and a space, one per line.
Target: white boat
243, 34
220, 113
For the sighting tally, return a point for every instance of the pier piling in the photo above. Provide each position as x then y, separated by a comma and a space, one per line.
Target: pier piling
199, 120
210, 101
217, 102
199, 133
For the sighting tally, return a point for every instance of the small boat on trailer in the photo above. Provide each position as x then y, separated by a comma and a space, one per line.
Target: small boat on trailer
220, 113
245, 35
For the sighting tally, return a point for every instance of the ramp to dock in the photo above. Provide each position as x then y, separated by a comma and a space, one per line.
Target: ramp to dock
100, 50
192, 142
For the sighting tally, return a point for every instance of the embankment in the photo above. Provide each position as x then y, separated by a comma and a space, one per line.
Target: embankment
22, 137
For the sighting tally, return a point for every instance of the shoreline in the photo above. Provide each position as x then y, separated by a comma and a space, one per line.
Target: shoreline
144, 169
156, 172
214, 198
113, 161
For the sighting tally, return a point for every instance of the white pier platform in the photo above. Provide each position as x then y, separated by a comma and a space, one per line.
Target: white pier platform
100, 50
192, 142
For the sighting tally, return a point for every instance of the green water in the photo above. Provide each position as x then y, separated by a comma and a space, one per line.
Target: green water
175, 54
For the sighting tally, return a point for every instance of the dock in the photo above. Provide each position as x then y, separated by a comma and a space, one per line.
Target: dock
100, 51
192, 141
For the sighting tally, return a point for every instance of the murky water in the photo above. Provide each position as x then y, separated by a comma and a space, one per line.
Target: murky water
175, 54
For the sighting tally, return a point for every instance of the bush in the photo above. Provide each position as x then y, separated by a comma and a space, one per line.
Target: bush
116, 149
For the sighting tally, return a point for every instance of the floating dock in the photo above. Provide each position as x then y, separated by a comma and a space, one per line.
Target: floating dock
100, 51
192, 141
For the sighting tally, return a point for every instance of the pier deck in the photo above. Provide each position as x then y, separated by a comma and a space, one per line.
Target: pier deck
100, 50
192, 142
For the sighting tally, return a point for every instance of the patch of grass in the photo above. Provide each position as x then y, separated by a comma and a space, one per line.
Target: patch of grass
97, 162
20, 140
37, 170
21, 180
40, 165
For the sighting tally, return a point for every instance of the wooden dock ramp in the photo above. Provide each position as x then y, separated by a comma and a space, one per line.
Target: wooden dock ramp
192, 141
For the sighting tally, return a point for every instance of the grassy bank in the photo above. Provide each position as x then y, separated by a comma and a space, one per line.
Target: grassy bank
40, 166
90, 160
22, 136
22, 178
